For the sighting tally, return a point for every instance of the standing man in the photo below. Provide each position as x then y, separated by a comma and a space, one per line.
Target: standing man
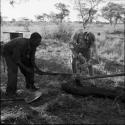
20, 52
83, 48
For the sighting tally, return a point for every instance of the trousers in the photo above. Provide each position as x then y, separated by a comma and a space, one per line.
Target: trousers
74, 65
12, 71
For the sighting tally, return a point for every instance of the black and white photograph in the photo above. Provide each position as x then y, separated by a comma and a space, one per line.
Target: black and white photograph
62, 62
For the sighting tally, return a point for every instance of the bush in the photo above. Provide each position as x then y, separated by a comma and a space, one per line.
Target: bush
117, 32
62, 32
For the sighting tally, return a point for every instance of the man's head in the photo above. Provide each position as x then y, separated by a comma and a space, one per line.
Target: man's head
35, 39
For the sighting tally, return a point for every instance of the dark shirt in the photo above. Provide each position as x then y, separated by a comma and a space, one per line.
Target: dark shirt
20, 50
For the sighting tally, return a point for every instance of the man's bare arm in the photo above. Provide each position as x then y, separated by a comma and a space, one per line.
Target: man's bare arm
36, 69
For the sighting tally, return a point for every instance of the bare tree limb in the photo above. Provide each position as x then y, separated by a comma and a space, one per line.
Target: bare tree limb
82, 5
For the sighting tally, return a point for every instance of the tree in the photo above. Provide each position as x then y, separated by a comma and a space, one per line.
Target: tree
52, 17
87, 10
14, 2
45, 17
113, 11
39, 17
48, 17
13, 20
106, 13
63, 11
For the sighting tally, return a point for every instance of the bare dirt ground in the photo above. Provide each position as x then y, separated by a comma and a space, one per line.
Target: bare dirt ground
55, 106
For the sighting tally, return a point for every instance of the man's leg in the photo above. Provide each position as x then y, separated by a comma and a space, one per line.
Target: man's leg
74, 67
12, 69
91, 73
90, 70
29, 78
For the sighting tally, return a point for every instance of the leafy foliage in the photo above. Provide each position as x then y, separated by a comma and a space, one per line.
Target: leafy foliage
87, 10
113, 10
63, 11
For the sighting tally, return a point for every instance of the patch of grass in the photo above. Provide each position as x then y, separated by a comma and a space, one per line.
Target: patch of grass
63, 102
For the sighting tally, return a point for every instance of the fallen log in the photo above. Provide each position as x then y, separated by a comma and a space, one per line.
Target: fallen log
93, 91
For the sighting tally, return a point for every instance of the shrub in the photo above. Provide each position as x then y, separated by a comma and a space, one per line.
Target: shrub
64, 32
61, 32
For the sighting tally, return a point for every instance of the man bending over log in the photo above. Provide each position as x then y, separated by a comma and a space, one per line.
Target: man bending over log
20, 52
83, 48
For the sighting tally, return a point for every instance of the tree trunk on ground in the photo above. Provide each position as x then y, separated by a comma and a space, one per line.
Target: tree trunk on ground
93, 91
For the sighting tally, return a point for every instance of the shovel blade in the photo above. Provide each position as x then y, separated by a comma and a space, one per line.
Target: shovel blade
33, 96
